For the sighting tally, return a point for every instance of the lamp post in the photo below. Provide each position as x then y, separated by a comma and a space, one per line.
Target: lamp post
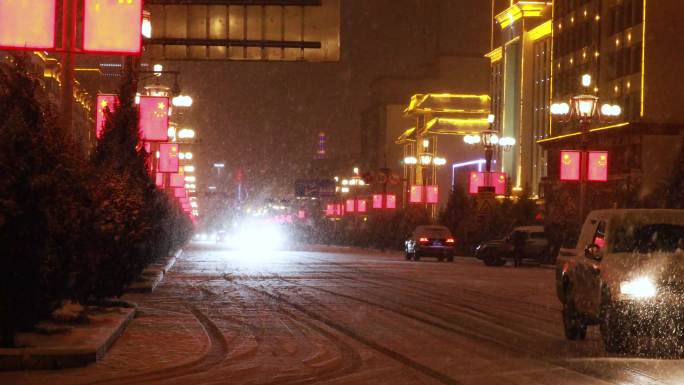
584, 108
490, 141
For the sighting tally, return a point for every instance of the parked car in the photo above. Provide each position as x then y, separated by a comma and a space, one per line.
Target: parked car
430, 241
626, 275
536, 246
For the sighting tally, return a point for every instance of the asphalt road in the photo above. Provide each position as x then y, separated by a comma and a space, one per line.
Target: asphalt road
343, 316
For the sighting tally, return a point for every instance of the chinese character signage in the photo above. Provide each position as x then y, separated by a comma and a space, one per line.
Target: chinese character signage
598, 166
28, 24
570, 165
104, 101
112, 26
154, 118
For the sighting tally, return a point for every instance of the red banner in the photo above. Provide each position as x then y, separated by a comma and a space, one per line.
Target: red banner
159, 179
176, 180
28, 25
154, 118
377, 201
391, 201
350, 208
598, 166
361, 206
112, 26
179, 192
416, 194
168, 157
104, 101
570, 165
432, 194
482, 179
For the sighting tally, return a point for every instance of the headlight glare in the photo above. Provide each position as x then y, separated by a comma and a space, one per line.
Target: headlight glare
638, 288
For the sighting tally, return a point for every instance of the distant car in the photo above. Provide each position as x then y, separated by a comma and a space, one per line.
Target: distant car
221, 236
536, 247
430, 241
625, 275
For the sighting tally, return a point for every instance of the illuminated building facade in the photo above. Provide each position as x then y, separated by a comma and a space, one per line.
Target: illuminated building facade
520, 60
630, 48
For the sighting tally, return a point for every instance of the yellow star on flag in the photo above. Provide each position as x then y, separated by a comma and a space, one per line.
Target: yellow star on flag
161, 105
104, 104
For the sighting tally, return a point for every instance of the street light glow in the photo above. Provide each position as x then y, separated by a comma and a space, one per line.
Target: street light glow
182, 101
189, 168
439, 161
212, 188
219, 165
146, 27
425, 159
186, 133
490, 118
190, 179
471, 139
410, 160
586, 80
157, 68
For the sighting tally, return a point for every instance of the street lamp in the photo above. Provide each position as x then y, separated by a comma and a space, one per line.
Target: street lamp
584, 108
182, 101
490, 140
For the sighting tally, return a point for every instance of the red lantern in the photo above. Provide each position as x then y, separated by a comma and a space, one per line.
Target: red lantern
570, 165
598, 166
154, 118
179, 192
416, 194
28, 25
432, 194
176, 180
168, 157
104, 101
112, 26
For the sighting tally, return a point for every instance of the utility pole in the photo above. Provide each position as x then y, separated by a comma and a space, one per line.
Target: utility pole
68, 64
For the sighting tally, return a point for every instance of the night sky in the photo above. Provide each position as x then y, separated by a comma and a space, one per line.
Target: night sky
264, 116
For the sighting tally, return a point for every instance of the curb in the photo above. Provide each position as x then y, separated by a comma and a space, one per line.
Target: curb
153, 274
63, 357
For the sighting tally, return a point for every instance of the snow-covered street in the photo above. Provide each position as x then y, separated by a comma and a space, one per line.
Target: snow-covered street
343, 316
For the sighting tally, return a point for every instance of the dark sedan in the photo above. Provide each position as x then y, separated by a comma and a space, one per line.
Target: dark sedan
430, 241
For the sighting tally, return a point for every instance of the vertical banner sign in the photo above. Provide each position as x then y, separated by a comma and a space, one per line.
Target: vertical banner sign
104, 101
475, 181
112, 26
416, 194
330, 210
432, 194
179, 192
301, 214
391, 201
159, 179
176, 180
28, 24
168, 157
570, 165
499, 181
350, 206
361, 206
377, 201
598, 166
154, 118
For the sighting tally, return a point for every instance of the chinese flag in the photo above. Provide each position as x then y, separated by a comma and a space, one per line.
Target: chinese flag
176, 180
154, 118
104, 101
569, 165
339, 209
301, 214
476, 180
27, 24
112, 26
361, 206
179, 192
391, 201
330, 210
432, 194
598, 166
416, 194
168, 157
377, 201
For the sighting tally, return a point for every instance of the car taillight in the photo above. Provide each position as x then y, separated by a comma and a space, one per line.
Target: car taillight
450, 240
423, 240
